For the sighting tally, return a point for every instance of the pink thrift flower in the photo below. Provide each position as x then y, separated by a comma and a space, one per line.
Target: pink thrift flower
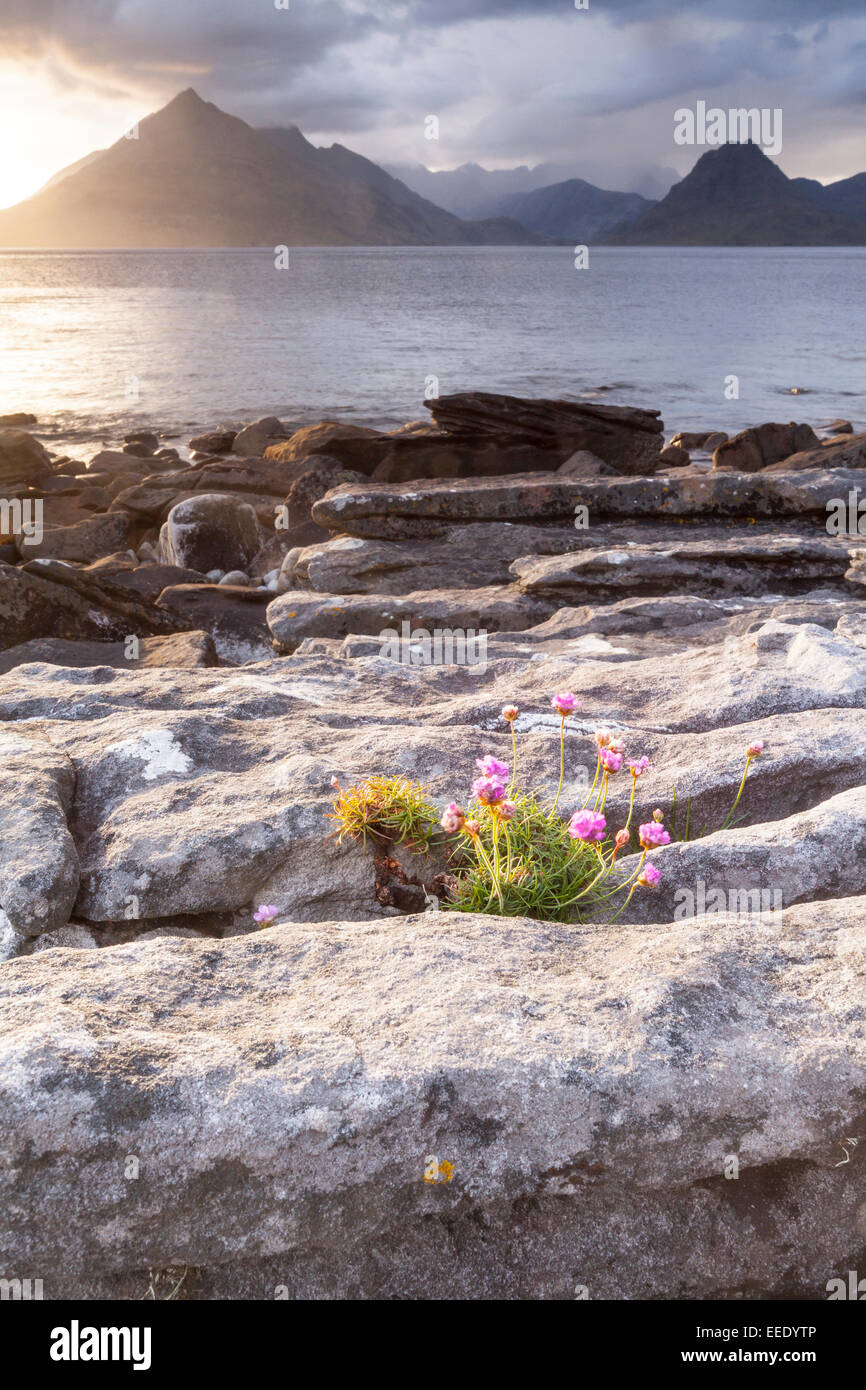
605, 739
566, 703
638, 766
506, 810
491, 767
453, 818
650, 876
488, 790
755, 750
610, 760
586, 826
653, 834
266, 915
510, 712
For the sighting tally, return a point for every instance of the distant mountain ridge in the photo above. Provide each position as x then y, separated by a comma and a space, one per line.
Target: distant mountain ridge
471, 191
573, 210
197, 177
847, 196
736, 196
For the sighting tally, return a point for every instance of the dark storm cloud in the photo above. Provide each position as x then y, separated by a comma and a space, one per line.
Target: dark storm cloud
526, 87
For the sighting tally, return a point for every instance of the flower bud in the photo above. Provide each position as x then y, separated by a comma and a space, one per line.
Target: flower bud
453, 818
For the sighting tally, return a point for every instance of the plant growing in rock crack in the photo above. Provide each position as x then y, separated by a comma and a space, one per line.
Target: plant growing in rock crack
509, 854
167, 1285
753, 751
391, 810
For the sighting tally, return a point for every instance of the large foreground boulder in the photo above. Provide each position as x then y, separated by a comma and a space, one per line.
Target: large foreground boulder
50, 599
212, 531
84, 541
757, 448
23, 461
848, 451
254, 439
628, 439
442, 1106
316, 439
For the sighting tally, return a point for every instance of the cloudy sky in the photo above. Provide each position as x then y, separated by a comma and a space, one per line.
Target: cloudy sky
511, 81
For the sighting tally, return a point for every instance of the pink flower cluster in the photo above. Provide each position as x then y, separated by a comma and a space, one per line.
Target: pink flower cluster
587, 825
565, 703
491, 767
653, 834
488, 790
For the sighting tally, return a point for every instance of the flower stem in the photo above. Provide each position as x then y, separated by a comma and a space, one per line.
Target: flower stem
497, 888
631, 803
727, 820
634, 879
594, 780
513, 759
561, 762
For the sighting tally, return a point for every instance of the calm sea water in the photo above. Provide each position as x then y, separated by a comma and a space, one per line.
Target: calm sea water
94, 342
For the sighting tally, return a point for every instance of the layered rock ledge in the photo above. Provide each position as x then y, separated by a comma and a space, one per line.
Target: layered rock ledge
649, 1112
370, 1099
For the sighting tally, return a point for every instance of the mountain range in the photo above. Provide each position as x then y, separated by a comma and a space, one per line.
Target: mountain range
475, 192
193, 176
573, 210
736, 196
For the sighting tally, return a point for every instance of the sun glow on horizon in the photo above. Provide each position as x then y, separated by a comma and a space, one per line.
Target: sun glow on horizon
45, 126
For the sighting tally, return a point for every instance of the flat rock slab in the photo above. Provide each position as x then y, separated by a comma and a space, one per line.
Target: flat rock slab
286, 1093
207, 791
464, 558
299, 614
187, 650
818, 852
399, 511
39, 870
474, 555
734, 565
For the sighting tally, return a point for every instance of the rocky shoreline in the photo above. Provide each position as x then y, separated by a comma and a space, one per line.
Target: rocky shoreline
190, 650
